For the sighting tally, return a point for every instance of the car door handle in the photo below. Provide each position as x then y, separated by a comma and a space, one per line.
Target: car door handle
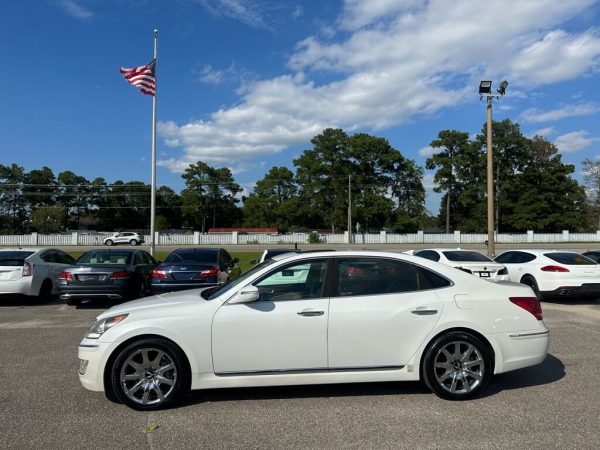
310, 313
423, 311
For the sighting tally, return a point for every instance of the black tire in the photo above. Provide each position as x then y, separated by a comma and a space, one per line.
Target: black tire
108, 242
162, 372
45, 294
139, 292
457, 366
133, 242
530, 281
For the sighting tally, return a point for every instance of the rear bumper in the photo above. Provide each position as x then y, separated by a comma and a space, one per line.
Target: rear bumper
586, 290
114, 293
22, 286
174, 287
531, 349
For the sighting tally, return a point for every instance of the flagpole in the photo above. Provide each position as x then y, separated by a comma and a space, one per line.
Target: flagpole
153, 193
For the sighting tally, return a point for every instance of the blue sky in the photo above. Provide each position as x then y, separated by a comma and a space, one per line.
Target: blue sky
245, 84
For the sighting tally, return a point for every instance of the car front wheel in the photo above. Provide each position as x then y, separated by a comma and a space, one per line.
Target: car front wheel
457, 366
108, 242
149, 374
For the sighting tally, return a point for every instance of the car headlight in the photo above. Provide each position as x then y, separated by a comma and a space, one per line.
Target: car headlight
99, 327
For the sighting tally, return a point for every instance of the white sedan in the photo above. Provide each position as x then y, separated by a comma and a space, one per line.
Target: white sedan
356, 316
468, 261
553, 273
32, 271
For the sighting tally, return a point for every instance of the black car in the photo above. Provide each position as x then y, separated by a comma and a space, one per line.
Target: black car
112, 274
189, 268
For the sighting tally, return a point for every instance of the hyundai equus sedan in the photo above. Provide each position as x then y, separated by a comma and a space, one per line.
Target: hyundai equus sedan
312, 319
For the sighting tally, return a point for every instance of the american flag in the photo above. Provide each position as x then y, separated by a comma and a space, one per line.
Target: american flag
142, 77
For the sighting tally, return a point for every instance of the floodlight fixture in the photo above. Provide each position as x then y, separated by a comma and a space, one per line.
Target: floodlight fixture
502, 88
485, 88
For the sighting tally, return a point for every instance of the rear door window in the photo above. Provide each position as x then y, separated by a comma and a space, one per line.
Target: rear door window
374, 276
571, 259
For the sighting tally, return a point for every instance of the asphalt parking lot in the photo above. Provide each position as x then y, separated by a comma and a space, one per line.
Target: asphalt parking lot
42, 405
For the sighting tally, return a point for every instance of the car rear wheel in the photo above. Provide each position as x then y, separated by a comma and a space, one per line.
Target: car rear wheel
45, 294
457, 366
109, 242
530, 281
149, 374
133, 242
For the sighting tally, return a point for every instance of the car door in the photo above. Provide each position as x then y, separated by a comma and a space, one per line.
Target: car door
381, 312
285, 330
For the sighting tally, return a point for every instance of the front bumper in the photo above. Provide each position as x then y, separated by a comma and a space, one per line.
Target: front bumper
92, 359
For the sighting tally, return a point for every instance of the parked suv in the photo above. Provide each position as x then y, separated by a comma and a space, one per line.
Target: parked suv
125, 237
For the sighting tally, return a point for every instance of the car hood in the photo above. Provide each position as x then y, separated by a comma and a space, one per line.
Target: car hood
191, 296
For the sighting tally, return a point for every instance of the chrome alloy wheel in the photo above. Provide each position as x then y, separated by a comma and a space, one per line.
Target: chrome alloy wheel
148, 376
459, 367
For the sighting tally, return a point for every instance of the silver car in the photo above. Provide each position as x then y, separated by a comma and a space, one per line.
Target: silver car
32, 271
125, 237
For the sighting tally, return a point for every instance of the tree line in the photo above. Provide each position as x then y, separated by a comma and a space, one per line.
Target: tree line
534, 190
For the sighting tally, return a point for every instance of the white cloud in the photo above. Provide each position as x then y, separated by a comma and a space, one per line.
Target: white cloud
572, 142
536, 116
426, 151
74, 9
557, 57
428, 182
543, 132
249, 12
400, 61
216, 77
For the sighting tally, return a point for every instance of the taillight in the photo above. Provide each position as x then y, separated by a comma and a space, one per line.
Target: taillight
209, 273
530, 304
156, 273
66, 276
119, 275
554, 269
27, 269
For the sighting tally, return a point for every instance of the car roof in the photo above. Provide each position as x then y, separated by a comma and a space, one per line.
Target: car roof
457, 249
197, 249
28, 249
114, 250
537, 251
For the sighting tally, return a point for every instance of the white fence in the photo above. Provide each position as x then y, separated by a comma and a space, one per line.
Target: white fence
235, 238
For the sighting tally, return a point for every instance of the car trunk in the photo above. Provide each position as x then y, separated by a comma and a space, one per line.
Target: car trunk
11, 272
191, 272
96, 275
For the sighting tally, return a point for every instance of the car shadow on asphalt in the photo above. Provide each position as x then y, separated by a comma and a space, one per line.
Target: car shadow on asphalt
307, 391
12, 300
549, 371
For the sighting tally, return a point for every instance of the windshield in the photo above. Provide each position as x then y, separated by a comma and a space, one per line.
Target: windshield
13, 258
192, 257
104, 258
211, 294
464, 256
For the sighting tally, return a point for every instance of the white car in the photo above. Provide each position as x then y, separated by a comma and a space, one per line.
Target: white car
32, 271
553, 273
358, 316
125, 237
468, 261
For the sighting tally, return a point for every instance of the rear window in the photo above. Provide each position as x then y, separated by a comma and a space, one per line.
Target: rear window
15, 259
460, 255
104, 258
570, 259
192, 257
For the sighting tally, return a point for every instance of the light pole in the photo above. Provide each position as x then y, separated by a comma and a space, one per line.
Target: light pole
485, 90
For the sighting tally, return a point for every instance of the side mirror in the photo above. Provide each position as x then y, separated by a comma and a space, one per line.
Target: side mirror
248, 294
